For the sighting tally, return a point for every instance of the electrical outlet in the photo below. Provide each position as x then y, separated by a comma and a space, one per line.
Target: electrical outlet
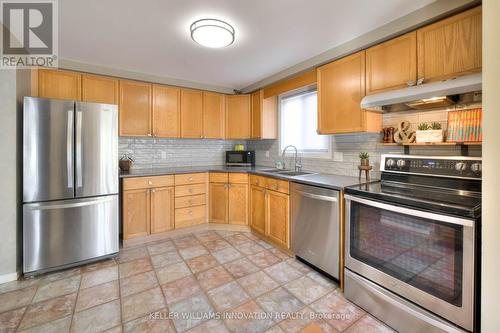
338, 156
267, 153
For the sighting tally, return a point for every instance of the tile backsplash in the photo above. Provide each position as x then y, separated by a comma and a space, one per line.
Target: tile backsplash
157, 152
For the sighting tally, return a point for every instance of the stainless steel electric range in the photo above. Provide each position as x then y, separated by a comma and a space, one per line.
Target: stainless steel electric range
412, 243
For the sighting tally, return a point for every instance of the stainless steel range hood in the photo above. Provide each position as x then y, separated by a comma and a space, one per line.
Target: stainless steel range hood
462, 89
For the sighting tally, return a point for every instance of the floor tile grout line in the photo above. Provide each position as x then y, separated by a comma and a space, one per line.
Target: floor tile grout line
74, 305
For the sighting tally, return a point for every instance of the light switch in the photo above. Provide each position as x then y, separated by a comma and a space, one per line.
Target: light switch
338, 156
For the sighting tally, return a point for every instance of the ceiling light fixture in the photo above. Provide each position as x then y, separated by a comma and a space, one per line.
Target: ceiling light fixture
212, 33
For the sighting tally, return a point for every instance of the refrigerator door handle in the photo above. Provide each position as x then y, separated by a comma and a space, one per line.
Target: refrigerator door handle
79, 180
69, 146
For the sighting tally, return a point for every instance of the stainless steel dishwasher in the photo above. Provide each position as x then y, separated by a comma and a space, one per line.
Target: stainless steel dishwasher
315, 217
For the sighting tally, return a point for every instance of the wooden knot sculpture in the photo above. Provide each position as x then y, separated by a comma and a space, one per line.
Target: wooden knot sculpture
402, 134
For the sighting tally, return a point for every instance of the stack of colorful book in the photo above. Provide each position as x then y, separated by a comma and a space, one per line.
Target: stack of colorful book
465, 125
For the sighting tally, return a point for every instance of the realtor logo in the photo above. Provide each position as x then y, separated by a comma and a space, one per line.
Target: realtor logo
29, 33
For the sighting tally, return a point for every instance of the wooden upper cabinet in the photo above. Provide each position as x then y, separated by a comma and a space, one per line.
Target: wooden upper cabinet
162, 209
392, 64
135, 108
264, 116
191, 113
450, 47
166, 111
100, 89
237, 116
51, 83
341, 86
213, 115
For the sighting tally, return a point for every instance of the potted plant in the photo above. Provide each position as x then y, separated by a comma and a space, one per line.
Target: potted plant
429, 133
365, 158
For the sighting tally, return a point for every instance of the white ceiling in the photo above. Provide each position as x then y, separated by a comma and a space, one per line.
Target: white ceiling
152, 36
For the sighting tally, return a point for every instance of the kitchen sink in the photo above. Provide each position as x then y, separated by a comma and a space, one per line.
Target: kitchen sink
274, 170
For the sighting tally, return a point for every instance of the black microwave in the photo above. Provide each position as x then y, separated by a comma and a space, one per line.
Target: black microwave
240, 158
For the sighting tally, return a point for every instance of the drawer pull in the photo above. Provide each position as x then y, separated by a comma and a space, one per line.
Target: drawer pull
150, 182
190, 179
153, 191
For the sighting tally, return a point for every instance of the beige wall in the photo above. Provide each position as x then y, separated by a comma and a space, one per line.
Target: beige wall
490, 293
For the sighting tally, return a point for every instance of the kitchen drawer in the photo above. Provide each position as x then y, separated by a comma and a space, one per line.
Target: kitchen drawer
190, 216
258, 181
190, 201
185, 190
277, 185
190, 178
238, 178
147, 182
218, 177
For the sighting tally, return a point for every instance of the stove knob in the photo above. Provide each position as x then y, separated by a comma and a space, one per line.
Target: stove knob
460, 166
476, 167
390, 163
401, 163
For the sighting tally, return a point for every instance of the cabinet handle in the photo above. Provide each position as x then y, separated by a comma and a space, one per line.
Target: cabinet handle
420, 81
153, 190
150, 182
190, 179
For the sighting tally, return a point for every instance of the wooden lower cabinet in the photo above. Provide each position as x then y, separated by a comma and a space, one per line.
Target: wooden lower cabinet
218, 202
228, 198
270, 214
190, 199
277, 212
258, 209
136, 213
237, 202
162, 209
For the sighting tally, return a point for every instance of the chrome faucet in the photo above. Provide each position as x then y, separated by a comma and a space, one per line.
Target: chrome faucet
298, 166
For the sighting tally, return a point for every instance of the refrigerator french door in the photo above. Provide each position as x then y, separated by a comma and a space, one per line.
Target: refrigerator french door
70, 183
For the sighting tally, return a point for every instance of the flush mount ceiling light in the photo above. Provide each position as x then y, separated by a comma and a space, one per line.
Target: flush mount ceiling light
212, 33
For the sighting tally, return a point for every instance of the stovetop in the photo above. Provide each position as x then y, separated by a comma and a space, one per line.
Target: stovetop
447, 185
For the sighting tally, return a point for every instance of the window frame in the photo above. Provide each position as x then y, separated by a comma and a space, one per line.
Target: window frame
303, 153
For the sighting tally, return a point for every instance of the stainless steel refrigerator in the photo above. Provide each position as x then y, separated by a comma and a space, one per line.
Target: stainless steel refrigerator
70, 183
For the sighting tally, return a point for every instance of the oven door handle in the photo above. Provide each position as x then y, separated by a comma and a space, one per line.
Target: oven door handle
412, 212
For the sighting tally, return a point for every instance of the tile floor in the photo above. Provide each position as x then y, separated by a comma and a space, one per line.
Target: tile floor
209, 281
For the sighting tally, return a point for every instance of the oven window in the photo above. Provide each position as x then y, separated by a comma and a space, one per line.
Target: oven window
426, 254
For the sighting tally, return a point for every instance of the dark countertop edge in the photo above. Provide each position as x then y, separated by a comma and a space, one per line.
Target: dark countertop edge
342, 182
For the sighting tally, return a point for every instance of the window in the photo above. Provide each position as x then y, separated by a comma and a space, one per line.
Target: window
299, 122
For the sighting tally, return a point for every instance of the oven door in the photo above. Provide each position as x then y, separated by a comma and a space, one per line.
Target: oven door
425, 257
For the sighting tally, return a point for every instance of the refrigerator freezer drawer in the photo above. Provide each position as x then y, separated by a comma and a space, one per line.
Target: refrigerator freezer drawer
60, 233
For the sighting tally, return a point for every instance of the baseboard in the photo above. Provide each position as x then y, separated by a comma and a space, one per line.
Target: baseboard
4, 278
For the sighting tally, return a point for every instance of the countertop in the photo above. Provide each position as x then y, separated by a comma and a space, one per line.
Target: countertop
332, 181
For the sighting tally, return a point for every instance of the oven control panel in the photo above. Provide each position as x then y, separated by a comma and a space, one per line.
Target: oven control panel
452, 166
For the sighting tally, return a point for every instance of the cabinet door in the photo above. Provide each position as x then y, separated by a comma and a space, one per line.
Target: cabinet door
213, 115
238, 204
51, 83
218, 202
450, 47
258, 209
256, 123
99, 89
238, 117
191, 113
392, 64
341, 86
136, 213
162, 209
135, 108
166, 111
277, 213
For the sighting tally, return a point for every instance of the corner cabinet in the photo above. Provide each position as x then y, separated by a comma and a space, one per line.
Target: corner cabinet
341, 86
450, 47
238, 117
